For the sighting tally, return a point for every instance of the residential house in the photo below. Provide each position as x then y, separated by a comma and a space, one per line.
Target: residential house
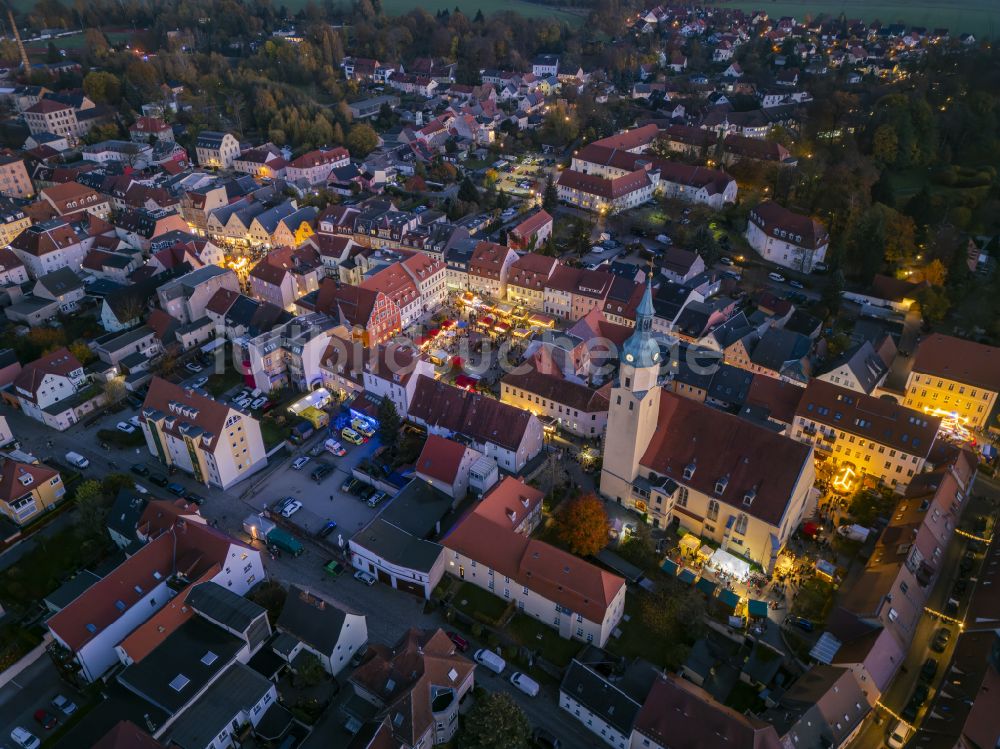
14, 179
70, 199
510, 435
48, 116
603, 195
680, 266
572, 293
527, 278
150, 130
531, 233
216, 150
286, 274
446, 465
564, 404
787, 238
289, 354
28, 490
212, 441
314, 167
264, 162
491, 548
488, 269
392, 370
54, 390
13, 221
186, 298
370, 315
861, 368
315, 625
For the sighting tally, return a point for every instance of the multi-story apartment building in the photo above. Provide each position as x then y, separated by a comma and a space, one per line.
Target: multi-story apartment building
571, 293
216, 150
956, 380
13, 220
861, 435
370, 315
314, 167
527, 278
531, 233
27, 490
491, 547
286, 274
392, 371
12, 270
71, 199
567, 405
488, 269
212, 441
722, 477
289, 355
50, 116
14, 179
396, 284
198, 204
606, 196
787, 238
186, 298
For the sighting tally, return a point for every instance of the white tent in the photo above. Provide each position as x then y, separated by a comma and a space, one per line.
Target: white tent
731, 565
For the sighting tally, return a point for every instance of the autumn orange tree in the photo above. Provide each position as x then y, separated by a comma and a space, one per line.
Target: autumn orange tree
583, 525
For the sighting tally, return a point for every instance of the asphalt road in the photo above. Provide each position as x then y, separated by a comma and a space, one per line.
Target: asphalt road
33, 688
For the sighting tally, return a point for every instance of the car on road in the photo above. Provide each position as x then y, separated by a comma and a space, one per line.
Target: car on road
899, 736
134, 421
291, 508
329, 527
776, 277
333, 568
352, 436
124, 426
804, 624
363, 427
941, 639
929, 669
376, 499
545, 739
24, 739
364, 577
796, 284
321, 471
460, 643
193, 497
525, 683
200, 382
820, 268
193, 366
159, 479
300, 462
64, 704
726, 260
139, 469
176, 489
45, 719
75, 459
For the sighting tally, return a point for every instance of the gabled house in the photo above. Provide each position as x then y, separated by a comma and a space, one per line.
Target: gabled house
312, 624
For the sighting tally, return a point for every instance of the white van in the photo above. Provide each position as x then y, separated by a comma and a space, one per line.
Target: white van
899, 735
77, 460
525, 683
24, 739
491, 660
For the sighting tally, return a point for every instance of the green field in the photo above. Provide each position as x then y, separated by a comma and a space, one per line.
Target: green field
980, 17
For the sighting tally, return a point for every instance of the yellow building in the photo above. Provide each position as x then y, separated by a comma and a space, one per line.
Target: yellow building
956, 380
27, 490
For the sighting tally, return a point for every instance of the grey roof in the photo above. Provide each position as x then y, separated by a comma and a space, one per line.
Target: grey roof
392, 543
61, 281
418, 508
864, 363
284, 643
210, 139
601, 697
125, 512
730, 384
70, 590
237, 690
778, 347
315, 621
127, 338
270, 218
223, 606
182, 659
732, 330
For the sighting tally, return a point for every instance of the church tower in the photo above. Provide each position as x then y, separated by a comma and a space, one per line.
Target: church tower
634, 407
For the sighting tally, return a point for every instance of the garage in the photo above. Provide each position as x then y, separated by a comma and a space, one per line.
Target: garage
410, 587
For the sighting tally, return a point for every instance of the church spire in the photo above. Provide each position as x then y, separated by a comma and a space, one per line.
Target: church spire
640, 350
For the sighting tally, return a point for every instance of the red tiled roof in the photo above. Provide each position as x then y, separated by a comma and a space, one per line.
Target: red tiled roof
959, 360
553, 387
804, 231
126, 735
14, 474
440, 458
201, 411
605, 188
59, 362
47, 106
719, 445
532, 224
221, 301
630, 139
487, 259
532, 271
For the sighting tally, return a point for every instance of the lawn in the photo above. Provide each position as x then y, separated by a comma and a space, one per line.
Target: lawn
272, 434
639, 641
981, 17
531, 633
478, 603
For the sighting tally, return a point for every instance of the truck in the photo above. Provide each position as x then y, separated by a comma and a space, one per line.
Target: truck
315, 416
854, 532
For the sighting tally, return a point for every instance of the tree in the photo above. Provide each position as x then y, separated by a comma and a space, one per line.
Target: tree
676, 615
583, 525
388, 422
550, 195
933, 273
707, 245
114, 390
934, 304
467, 191
52, 53
81, 351
308, 670
885, 145
102, 87
361, 140
495, 722
271, 595
639, 549
833, 290
91, 509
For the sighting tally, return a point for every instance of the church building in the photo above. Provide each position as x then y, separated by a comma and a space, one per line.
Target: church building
679, 461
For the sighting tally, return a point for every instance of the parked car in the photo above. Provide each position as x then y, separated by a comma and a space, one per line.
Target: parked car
900, 734
333, 568
365, 577
176, 489
776, 277
725, 260
77, 460
291, 508
258, 403
45, 719
300, 462
321, 471
376, 499
64, 705
334, 447
929, 669
193, 497
525, 683
349, 485
193, 366
242, 402
796, 284
159, 479
139, 469
941, 639
461, 644
545, 739
363, 427
327, 529
804, 624
491, 660
134, 421
24, 738
200, 382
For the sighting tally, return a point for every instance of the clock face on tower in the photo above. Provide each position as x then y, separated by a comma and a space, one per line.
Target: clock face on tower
629, 357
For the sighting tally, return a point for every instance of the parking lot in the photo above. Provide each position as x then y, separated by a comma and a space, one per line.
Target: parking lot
31, 690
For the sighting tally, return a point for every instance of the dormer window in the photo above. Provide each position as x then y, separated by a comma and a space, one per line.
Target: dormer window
689, 471
721, 484
750, 496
